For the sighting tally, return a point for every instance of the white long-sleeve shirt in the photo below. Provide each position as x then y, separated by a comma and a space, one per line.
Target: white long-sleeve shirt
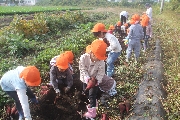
124, 13
149, 12
114, 43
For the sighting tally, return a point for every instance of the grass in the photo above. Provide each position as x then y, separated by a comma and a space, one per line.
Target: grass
166, 28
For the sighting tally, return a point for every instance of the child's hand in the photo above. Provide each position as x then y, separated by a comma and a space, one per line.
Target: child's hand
86, 78
66, 90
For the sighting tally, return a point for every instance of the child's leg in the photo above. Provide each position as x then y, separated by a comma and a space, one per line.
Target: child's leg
146, 42
92, 96
137, 49
112, 57
13, 94
128, 52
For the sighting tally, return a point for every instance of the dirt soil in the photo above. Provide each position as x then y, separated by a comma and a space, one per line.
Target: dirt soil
63, 108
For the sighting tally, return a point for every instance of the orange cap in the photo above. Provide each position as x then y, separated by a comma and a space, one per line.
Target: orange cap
118, 23
132, 21
99, 27
88, 49
136, 17
98, 47
69, 55
145, 20
62, 61
111, 27
31, 76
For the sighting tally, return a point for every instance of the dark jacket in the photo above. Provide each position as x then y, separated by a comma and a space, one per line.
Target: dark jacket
55, 74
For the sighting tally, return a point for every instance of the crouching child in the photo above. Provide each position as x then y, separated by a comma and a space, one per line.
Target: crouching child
60, 75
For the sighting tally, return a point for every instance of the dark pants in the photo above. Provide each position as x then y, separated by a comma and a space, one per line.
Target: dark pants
144, 30
146, 42
92, 95
14, 96
123, 19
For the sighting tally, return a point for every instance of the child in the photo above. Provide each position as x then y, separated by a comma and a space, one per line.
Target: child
70, 57
15, 82
117, 29
114, 47
144, 24
108, 84
124, 16
134, 37
60, 75
149, 14
92, 65
111, 29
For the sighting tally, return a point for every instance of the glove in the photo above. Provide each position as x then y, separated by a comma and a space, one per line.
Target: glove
34, 100
66, 90
86, 78
94, 80
91, 83
127, 38
58, 93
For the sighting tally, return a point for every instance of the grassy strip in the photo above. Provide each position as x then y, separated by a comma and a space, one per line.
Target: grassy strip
9, 10
166, 28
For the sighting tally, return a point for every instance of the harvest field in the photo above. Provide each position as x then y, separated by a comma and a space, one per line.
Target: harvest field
34, 38
4, 10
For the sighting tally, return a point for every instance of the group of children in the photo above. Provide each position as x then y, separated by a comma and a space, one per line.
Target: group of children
134, 31
91, 65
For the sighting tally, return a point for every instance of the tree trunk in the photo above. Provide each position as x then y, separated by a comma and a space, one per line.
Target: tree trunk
162, 5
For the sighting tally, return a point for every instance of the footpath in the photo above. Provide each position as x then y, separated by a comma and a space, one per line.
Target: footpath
151, 93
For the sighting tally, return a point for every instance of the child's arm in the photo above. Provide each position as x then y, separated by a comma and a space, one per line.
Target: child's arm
23, 98
69, 78
130, 32
83, 67
53, 77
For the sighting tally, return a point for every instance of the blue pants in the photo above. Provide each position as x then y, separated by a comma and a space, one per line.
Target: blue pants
92, 95
134, 45
112, 57
14, 96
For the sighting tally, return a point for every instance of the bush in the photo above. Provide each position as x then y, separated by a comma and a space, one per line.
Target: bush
16, 45
30, 28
